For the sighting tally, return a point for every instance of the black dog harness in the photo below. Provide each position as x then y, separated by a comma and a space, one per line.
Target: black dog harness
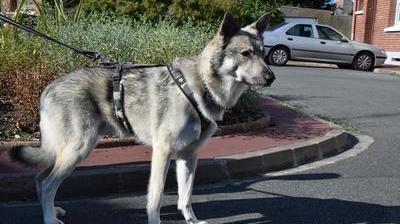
118, 90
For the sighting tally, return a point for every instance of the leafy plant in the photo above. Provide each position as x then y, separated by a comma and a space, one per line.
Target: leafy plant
348, 126
60, 16
78, 12
18, 15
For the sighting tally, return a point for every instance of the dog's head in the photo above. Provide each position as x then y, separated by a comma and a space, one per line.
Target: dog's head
239, 52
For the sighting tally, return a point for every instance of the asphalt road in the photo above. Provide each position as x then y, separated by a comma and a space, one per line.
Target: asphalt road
361, 189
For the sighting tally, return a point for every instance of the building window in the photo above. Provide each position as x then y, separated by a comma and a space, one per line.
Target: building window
360, 5
396, 25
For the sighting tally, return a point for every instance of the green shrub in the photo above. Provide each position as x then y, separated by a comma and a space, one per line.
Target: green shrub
246, 109
122, 39
200, 11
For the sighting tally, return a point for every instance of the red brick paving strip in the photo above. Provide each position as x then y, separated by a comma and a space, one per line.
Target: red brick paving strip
289, 127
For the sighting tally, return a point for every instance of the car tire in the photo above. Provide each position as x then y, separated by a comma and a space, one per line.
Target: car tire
278, 56
364, 62
344, 66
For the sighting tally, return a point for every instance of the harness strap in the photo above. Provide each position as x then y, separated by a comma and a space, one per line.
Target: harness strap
118, 89
181, 82
118, 93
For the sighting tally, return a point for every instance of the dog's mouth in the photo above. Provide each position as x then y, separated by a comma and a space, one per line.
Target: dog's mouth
260, 82
269, 82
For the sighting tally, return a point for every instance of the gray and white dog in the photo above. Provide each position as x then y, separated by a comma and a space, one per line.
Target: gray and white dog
77, 109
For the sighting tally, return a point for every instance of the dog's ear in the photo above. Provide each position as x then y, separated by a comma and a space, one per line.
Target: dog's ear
261, 23
228, 27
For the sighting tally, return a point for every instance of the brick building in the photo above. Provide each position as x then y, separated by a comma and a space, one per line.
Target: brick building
377, 22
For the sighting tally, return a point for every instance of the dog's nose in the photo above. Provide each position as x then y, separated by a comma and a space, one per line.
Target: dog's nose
270, 81
270, 78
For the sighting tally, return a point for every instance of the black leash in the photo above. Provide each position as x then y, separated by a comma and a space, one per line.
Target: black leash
89, 54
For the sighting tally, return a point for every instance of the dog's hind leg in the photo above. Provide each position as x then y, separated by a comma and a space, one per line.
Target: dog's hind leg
65, 162
186, 163
39, 179
63, 166
159, 168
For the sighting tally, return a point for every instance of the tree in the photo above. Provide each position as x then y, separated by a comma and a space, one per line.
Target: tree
315, 4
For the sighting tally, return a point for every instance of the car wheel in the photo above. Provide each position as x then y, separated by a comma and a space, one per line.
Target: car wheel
364, 62
279, 56
344, 66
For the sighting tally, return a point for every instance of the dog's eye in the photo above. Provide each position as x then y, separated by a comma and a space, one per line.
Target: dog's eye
246, 53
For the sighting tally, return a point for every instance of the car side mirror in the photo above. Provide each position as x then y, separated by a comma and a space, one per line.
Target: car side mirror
344, 40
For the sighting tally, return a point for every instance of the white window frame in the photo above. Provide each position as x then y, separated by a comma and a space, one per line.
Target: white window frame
396, 27
359, 10
397, 19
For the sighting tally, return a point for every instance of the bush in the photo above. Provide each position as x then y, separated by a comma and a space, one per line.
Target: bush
125, 40
19, 99
246, 109
181, 11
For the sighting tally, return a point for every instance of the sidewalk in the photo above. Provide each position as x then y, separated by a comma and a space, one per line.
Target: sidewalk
387, 69
294, 139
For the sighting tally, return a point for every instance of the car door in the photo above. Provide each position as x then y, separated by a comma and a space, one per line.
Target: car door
333, 46
300, 38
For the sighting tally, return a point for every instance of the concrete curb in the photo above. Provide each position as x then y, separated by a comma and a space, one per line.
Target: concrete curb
130, 178
130, 141
388, 71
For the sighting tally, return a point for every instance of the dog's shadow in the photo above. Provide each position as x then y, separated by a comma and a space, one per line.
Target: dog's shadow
241, 203
279, 208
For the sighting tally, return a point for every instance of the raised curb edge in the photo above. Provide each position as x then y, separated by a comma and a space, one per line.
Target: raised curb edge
132, 178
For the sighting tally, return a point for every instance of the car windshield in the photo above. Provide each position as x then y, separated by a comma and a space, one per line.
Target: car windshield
276, 26
327, 33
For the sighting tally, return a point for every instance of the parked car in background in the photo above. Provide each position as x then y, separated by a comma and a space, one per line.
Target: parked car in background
319, 43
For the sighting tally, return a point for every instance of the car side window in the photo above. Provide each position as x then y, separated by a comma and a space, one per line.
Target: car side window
301, 30
327, 33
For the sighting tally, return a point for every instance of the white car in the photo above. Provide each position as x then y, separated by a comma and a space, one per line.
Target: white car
319, 43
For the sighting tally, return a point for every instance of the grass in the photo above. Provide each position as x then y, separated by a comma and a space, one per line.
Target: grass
347, 126
394, 73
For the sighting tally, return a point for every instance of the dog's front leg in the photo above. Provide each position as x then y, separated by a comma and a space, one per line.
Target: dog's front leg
186, 163
159, 167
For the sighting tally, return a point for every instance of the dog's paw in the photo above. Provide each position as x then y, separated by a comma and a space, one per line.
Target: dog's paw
60, 212
196, 222
202, 222
55, 221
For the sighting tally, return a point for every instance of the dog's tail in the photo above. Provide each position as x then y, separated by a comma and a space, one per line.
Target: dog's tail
31, 156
